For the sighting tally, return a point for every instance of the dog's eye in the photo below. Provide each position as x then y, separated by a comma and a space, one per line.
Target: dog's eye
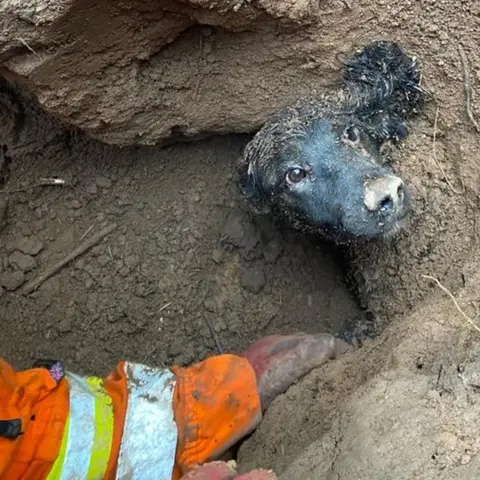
296, 175
352, 134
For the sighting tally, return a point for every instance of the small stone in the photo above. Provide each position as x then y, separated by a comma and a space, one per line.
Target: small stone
65, 325
92, 189
209, 305
253, 279
175, 349
124, 272
21, 261
80, 264
75, 204
12, 280
217, 256
103, 182
29, 245
103, 260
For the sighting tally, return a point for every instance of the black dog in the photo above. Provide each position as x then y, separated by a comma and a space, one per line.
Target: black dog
317, 163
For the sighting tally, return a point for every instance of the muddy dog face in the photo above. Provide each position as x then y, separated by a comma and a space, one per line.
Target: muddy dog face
318, 163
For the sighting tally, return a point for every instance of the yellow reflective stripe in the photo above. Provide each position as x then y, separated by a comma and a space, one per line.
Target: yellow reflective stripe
56, 470
88, 434
102, 442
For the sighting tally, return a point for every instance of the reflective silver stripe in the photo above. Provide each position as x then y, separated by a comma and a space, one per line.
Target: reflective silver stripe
150, 434
81, 431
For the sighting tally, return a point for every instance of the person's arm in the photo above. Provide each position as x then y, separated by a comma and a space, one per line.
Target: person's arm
220, 400
141, 421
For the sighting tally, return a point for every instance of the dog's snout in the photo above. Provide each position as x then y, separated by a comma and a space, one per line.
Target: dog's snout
384, 194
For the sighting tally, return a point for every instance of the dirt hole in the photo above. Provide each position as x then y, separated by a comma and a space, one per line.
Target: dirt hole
187, 257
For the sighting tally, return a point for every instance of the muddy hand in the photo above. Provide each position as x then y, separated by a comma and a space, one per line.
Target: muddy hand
279, 361
223, 471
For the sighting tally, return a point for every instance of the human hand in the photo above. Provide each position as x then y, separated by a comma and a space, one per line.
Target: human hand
281, 360
230, 407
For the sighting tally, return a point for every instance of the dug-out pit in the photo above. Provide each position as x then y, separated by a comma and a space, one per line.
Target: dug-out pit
188, 271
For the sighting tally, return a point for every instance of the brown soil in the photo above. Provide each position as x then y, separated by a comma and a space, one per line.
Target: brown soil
403, 407
186, 253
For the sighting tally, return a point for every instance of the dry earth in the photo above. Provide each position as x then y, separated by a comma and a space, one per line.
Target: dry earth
186, 254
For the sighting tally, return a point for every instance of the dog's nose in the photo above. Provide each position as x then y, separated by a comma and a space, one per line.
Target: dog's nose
384, 194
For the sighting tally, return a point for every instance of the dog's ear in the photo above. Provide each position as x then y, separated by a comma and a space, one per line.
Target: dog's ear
394, 129
250, 187
387, 130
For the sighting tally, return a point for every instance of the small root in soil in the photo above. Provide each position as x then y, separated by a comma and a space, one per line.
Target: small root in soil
35, 283
468, 86
452, 188
43, 182
455, 302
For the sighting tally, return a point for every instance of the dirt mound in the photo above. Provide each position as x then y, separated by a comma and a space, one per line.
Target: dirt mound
189, 271
141, 72
404, 406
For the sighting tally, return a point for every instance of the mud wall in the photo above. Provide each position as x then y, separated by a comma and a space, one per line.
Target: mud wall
403, 407
141, 72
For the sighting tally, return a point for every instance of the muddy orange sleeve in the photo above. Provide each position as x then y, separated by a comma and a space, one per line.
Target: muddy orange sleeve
42, 406
216, 403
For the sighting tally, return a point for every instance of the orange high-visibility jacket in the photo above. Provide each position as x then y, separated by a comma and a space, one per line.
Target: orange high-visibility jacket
137, 423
